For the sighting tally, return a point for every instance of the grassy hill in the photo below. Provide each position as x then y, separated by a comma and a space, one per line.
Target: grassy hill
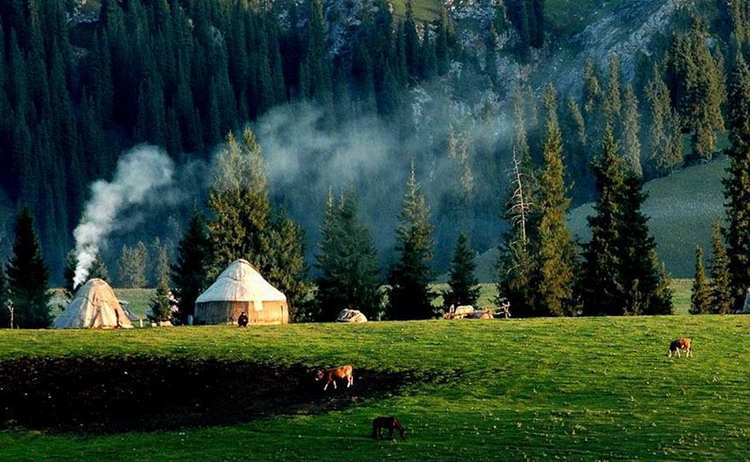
682, 208
544, 389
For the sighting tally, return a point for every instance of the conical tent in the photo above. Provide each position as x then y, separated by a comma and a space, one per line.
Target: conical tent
94, 306
241, 288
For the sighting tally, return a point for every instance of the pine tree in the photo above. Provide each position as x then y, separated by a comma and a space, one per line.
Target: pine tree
348, 263
737, 183
630, 132
462, 280
700, 299
601, 286
28, 276
131, 267
556, 272
411, 275
644, 279
721, 292
161, 304
5, 307
664, 132
189, 271
240, 204
516, 263
287, 269
612, 104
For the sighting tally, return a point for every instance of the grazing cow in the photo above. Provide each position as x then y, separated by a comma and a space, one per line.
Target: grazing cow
387, 423
330, 375
680, 344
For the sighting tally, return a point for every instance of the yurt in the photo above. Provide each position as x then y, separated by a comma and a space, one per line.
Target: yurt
94, 306
241, 288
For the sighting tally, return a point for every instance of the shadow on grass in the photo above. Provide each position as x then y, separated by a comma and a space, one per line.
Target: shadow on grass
116, 394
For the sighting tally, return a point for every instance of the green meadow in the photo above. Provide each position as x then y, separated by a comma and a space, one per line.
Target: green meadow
539, 389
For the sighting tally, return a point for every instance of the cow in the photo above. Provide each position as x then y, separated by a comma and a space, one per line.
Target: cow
680, 344
387, 423
330, 375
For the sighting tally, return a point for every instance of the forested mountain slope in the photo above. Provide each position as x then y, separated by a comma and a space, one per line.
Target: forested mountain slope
344, 95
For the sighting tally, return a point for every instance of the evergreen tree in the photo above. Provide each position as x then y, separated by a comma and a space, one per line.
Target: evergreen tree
131, 267
516, 262
645, 281
601, 286
287, 267
5, 306
240, 204
721, 292
463, 283
557, 269
348, 263
28, 276
630, 132
161, 304
700, 299
411, 275
612, 104
189, 271
664, 132
737, 183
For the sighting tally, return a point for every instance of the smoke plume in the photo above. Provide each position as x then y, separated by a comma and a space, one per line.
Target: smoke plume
139, 173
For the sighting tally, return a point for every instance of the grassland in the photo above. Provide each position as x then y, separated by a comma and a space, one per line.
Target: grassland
543, 389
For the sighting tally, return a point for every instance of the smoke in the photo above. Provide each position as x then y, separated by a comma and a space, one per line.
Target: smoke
140, 172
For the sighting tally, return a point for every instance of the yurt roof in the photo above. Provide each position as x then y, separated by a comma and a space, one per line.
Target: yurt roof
241, 282
94, 305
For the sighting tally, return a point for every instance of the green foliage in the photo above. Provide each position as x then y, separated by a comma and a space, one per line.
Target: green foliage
346, 258
189, 271
161, 304
720, 287
4, 299
28, 276
131, 267
737, 183
664, 130
556, 272
622, 274
410, 295
700, 299
287, 269
240, 205
463, 282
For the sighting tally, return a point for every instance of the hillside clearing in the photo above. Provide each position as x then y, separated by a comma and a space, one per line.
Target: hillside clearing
542, 389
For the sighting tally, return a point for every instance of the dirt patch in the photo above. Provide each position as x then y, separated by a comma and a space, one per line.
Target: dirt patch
114, 394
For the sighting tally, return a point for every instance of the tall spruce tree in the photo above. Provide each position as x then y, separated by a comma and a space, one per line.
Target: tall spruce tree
5, 306
630, 132
411, 275
132, 265
28, 276
720, 285
516, 255
189, 271
700, 298
644, 279
557, 268
601, 286
287, 269
348, 264
462, 280
240, 205
737, 183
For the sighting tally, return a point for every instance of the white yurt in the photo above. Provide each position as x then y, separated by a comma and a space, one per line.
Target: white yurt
95, 305
241, 288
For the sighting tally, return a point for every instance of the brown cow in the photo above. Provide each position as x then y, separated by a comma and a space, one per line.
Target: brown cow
387, 423
330, 375
680, 344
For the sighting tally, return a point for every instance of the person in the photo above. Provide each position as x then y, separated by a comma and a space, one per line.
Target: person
242, 320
